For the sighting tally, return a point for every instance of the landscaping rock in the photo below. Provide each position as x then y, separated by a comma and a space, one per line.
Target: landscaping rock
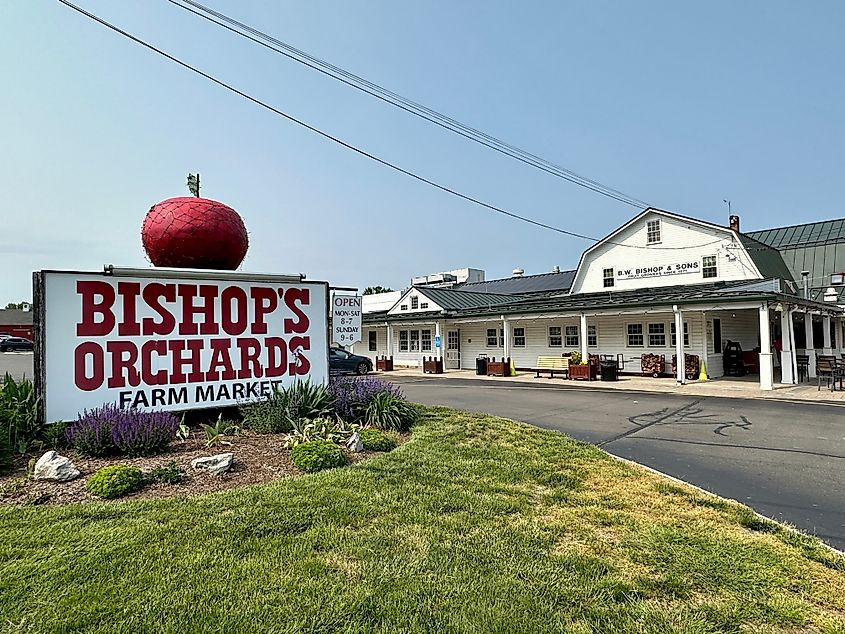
215, 465
355, 444
52, 466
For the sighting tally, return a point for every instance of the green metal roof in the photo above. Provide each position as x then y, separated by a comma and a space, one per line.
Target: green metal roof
450, 299
661, 297
768, 260
810, 234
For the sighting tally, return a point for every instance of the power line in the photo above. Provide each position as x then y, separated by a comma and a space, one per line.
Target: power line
349, 146
397, 100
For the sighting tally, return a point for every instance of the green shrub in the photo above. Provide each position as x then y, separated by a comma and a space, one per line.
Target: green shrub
377, 440
317, 455
5, 451
54, 435
19, 413
115, 481
390, 411
276, 415
170, 473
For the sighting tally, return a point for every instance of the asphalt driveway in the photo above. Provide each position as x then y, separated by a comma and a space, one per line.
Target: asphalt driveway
785, 460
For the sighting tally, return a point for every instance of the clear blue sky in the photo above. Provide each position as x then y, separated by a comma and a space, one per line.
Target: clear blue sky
678, 104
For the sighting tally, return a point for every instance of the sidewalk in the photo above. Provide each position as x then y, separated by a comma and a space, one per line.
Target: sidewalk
743, 387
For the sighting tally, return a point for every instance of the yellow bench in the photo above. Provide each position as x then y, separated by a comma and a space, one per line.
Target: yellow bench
552, 365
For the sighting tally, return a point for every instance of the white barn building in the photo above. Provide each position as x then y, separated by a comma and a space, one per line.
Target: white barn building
658, 275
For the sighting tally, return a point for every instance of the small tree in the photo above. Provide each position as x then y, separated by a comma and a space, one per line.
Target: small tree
14, 306
372, 290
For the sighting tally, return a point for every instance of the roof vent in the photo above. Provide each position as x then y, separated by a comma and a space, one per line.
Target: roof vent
517, 272
555, 269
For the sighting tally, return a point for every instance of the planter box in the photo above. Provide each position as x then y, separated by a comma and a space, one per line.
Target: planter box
583, 372
432, 366
384, 364
498, 368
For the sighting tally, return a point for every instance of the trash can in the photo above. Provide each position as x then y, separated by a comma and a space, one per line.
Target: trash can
609, 370
481, 365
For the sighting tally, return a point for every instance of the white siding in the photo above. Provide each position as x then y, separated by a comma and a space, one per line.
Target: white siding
362, 347
690, 242
424, 304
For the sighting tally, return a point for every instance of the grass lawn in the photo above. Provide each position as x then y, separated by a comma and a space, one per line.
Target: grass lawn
477, 524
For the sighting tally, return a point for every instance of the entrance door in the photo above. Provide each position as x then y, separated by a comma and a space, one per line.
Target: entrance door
453, 349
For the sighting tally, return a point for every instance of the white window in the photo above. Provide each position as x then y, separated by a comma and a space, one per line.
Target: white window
425, 336
373, 345
555, 339
635, 335
423, 305
686, 334
415, 340
519, 337
403, 307
657, 335
592, 337
415, 302
609, 281
572, 340
653, 231
492, 340
708, 266
403, 341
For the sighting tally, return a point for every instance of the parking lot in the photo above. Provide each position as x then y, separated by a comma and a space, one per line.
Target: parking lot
18, 364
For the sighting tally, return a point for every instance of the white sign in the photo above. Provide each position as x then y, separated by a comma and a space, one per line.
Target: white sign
658, 270
346, 319
169, 344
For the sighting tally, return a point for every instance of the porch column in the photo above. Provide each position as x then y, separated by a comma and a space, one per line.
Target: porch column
389, 340
837, 329
681, 365
767, 373
828, 349
810, 344
704, 341
506, 341
585, 353
438, 331
787, 373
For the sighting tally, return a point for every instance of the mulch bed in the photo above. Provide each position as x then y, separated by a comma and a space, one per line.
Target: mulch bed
258, 458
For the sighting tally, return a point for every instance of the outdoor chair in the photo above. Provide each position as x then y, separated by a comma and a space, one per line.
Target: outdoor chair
826, 369
803, 363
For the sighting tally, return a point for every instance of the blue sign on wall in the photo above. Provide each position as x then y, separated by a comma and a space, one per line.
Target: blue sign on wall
437, 341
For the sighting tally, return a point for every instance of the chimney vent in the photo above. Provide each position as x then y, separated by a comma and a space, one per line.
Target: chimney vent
733, 222
517, 272
555, 269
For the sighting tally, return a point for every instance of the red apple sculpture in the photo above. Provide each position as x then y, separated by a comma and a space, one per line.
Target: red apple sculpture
194, 232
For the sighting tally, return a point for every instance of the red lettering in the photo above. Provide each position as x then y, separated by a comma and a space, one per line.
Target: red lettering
88, 327
147, 374
292, 296
177, 347
220, 358
277, 357
266, 302
119, 363
80, 377
208, 324
129, 326
300, 364
234, 320
250, 350
153, 292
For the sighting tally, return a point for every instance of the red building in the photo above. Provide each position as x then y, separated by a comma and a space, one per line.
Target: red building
17, 323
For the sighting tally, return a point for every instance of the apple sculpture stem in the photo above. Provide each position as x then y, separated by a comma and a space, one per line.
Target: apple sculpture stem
194, 232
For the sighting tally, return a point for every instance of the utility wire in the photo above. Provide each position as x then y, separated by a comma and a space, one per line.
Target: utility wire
349, 146
397, 100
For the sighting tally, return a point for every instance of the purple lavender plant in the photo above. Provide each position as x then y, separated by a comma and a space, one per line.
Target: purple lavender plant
137, 433
90, 435
353, 395
109, 429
